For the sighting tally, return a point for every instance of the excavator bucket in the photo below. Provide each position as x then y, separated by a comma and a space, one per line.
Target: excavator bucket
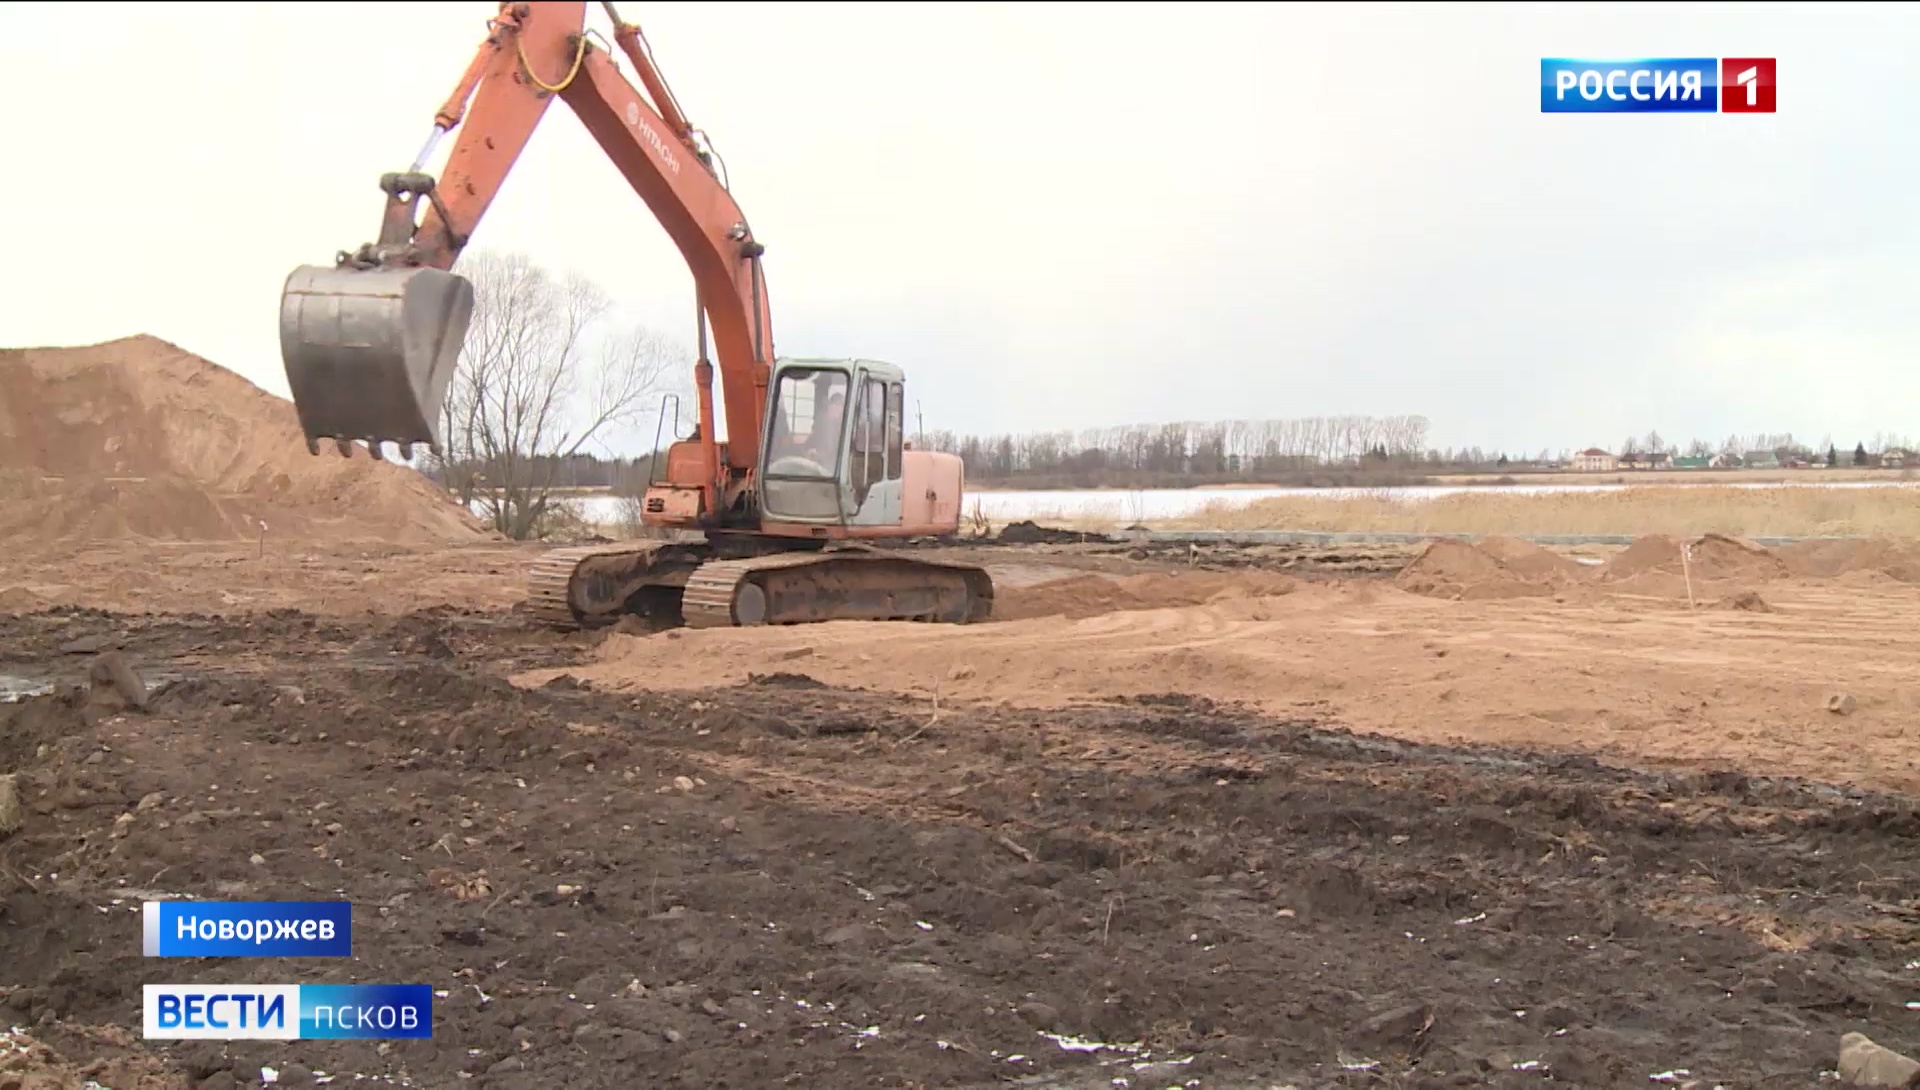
369, 352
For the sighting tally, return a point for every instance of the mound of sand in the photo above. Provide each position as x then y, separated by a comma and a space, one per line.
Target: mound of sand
139, 439
1712, 558
1747, 600
1530, 560
1092, 595
20, 600
1497, 567
1827, 559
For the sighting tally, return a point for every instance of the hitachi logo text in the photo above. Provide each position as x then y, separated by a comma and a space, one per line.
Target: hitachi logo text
652, 139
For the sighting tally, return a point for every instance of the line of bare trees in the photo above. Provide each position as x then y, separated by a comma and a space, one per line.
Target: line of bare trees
1309, 451
1191, 452
1781, 444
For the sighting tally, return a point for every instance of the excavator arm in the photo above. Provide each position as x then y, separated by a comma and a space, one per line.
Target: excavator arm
370, 344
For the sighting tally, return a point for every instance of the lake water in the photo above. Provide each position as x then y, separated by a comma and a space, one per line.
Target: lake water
1163, 503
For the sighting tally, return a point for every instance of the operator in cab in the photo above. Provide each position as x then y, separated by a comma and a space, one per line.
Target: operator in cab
823, 438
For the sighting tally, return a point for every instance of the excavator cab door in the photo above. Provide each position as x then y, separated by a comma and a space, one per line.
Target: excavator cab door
874, 450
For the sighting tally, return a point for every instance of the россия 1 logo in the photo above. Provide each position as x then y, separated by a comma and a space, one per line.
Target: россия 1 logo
1734, 85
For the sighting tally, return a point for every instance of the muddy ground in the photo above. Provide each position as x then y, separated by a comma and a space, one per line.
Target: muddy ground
783, 883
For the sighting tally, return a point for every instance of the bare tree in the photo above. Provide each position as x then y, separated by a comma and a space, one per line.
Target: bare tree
544, 371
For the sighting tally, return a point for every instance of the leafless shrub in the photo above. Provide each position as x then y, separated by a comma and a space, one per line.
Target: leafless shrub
544, 371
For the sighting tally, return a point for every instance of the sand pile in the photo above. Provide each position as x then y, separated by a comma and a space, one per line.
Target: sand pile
1826, 559
1747, 600
19, 600
1718, 557
1530, 560
137, 438
1650, 553
1092, 595
1654, 564
1493, 568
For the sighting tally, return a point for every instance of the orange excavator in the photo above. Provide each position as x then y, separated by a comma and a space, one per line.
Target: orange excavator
814, 467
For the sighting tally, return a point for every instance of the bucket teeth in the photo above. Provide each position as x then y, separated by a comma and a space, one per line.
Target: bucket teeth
346, 445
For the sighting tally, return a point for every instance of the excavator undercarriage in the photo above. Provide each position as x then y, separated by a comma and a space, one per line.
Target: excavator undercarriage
701, 585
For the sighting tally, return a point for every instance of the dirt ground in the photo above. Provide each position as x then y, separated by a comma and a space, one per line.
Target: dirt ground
1178, 817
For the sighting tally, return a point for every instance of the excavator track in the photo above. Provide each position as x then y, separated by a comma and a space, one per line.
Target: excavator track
594, 585
591, 584
833, 585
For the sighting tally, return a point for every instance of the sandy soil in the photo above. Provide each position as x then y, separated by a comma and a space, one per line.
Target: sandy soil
217, 577
1462, 648
784, 882
1472, 815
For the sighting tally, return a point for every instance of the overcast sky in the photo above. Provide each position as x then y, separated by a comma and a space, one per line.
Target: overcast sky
1063, 216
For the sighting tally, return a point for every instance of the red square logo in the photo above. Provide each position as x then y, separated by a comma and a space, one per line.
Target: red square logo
1746, 85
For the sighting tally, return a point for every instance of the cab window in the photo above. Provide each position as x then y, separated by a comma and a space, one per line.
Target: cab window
806, 418
896, 411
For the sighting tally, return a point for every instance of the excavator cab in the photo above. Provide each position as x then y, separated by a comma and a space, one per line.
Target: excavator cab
834, 447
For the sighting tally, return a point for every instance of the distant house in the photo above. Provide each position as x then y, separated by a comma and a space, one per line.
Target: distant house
1760, 459
1728, 460
1595, 460
1643, 460
1895, 459
1693, 461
